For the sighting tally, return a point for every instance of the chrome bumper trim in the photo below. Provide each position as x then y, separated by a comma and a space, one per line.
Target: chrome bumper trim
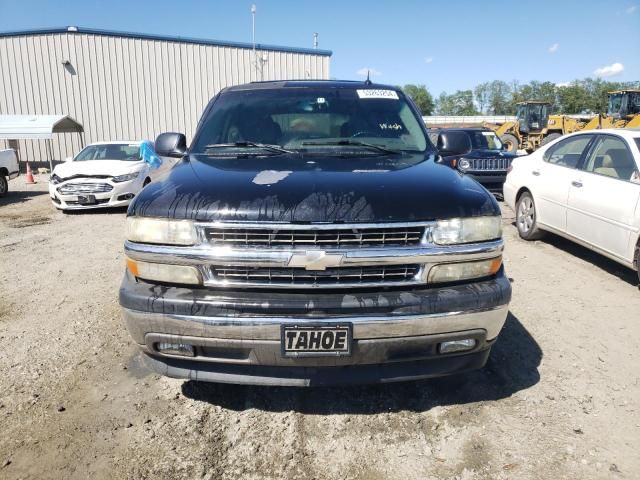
268, 328
208, 255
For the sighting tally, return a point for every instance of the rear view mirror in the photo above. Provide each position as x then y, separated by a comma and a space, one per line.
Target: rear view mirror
171, 144
453, 143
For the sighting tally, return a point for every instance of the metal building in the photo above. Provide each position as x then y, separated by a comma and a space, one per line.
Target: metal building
131, 86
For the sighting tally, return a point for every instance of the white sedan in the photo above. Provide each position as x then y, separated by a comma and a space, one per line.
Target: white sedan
105, 174
585, 187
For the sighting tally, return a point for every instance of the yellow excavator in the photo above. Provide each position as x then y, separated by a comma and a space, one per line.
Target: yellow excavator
534, 126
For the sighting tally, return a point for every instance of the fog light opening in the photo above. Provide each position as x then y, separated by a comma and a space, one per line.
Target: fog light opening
126, 196
181, 349
458, 345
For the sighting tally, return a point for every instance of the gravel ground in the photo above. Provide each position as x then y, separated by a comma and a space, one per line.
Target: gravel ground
559, 398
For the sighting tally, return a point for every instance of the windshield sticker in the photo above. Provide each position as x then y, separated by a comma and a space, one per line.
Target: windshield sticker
390, 126
269, 177
488, 134
370, 93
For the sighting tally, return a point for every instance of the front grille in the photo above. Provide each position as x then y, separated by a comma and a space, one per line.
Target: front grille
98, 202
335, 237
274, 276
84, 188
490, 164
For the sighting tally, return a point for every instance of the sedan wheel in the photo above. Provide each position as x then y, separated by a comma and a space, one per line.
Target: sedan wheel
526, 218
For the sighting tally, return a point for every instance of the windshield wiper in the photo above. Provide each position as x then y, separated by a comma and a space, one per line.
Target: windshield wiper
353, 143
264, 146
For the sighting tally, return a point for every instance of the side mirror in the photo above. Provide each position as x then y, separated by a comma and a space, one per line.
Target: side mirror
68, 159
453, 143
171, 144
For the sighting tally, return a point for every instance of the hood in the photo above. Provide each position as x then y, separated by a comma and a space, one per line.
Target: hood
102, 168
314, 189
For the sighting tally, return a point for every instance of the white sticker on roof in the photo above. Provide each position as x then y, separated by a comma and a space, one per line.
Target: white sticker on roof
371, 93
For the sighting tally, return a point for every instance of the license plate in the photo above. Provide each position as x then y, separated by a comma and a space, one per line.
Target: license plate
86, 199
316, 340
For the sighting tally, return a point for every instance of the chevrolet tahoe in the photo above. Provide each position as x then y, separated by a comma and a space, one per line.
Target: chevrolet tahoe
308, 235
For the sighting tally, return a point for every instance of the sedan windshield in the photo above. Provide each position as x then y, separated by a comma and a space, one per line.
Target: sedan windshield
485, 141
111, 151
306, 120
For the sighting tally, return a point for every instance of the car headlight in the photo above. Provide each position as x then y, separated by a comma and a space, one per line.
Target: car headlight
161, 231
126, 177
467, 230
55, 179
160, 272
464, 164
455, 272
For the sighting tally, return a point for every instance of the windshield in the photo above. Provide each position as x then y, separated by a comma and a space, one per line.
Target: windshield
615, 103
485, 141
112, 151
307, 119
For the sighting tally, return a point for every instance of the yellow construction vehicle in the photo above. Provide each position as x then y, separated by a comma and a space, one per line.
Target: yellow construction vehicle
623, 111
529, 128
534, 126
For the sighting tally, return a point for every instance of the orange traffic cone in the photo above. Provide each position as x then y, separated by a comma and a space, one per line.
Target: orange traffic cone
29, 176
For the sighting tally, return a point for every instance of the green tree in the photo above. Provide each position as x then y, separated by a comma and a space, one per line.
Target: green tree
421, 97
481, 96
459, 103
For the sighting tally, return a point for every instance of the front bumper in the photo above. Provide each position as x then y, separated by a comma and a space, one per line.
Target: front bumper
492, 181
236, 335
110, 199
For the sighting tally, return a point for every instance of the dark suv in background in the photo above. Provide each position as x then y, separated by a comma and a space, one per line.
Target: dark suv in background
477, 152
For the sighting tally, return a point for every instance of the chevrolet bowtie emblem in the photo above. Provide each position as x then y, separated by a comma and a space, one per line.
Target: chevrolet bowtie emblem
316, 260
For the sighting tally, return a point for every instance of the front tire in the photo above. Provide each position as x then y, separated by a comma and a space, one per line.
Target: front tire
550, 138
4, 186
511, 142
526, 218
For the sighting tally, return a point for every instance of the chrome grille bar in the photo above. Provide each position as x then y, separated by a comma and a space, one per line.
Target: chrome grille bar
335, 237
298, 277
82, 188
490, 164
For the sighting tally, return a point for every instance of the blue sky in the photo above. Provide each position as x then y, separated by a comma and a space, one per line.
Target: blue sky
446, 45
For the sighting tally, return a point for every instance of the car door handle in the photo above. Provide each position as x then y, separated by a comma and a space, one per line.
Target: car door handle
577, 183
536, 172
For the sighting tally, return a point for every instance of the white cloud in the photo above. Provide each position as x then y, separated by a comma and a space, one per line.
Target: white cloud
554, 48
609, 70
428, 59
632, 9
563, 84
364, 71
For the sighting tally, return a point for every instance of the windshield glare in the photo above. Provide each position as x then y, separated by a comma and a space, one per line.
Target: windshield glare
306, 119
485, 141
115, 151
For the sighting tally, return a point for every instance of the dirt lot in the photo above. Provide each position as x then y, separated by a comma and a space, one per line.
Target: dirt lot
560, 397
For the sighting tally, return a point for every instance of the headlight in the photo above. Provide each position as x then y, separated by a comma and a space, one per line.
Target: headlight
55, 179
467, 230
160, 272
162, 231
454, 272
126, 177
464, 164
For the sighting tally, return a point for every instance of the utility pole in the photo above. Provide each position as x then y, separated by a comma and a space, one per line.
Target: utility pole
315, 41
253, 35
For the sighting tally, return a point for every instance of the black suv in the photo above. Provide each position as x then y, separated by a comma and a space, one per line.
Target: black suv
477, 152
308, 236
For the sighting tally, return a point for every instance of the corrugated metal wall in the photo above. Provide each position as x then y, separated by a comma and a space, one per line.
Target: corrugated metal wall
128, 88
